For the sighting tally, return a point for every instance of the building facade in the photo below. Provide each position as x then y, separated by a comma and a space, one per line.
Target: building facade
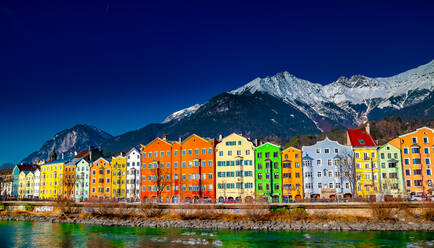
417, 151
100, 179
36, 183
292, 175
366, 162
69, 179
51, 187
133, 174
390, 171
328, 170
235, 170
119, 176
268, 171
16, 173
161, 171
197, 169
82, 180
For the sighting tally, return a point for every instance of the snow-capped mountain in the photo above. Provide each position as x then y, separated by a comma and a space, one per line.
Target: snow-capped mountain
285, 106
347, 99
65, 142
178, 115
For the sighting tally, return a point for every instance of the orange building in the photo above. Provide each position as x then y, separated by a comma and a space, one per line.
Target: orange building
417, 152
100, 179
160, 171
292, 174
69, 179
198, 169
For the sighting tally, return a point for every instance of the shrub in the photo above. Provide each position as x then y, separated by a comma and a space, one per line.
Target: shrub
29, 207
383, 211
151, 210
298, 214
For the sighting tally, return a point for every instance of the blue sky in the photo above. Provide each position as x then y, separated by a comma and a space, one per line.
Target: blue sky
120, 65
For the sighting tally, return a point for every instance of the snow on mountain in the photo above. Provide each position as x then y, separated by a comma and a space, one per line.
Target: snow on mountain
353, 97
178, 115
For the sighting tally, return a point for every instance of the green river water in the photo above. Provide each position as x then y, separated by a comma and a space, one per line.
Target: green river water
28, 234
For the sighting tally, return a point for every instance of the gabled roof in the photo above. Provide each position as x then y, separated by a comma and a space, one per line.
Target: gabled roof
74, 161
131, 150
268, 143
360, 138
417, 130
28, 167
197, 136
291, 147
306, 157
58, 161
82, 154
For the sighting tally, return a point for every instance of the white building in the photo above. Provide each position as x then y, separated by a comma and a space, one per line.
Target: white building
36, 183
133, 174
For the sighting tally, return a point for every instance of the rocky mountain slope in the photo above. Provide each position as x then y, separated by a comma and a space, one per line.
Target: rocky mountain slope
286, 106
69, 140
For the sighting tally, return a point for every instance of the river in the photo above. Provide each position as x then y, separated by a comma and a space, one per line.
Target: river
29, 234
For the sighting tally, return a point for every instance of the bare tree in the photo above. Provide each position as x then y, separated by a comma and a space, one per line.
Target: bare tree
162, 178
346, 165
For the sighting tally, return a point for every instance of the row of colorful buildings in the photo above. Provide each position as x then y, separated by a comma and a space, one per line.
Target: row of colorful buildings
237, 169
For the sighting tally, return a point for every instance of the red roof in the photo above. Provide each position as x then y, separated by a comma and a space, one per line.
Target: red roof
82, 154
360, 138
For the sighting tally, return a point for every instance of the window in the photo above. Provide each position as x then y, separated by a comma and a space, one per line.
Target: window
318, 162
361, 141
426, 150
408, 183
318, 150
336, 150
416, 160
417, 172
220, 153
175, 153
417, 183
326, 150
329, 162
319, 185
414, 140
210, 163
405, 150
406, 161
425, 140
247, 152
229, 153
319, 174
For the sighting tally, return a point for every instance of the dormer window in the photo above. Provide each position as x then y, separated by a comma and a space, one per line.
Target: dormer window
361, 141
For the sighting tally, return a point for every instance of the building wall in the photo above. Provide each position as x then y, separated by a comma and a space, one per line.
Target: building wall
327, 168
15, 173
390, 171
157, 171
29, 182
197, 169
21, 185
133, 174
268, 172
235, 153
366, 167
82, 180
292, 174
100, 179
69, 182
36, 183
51, 180
119, 176
417, 151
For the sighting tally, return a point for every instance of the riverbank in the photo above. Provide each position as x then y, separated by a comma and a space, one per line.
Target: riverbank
368, 225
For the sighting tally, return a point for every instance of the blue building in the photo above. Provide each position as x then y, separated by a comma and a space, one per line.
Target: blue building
16, 172
328, 170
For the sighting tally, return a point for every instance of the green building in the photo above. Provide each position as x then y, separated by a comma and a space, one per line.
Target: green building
268, 169
390, 171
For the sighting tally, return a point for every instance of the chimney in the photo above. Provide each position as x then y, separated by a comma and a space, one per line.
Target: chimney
75, 153
165, 137
62, 156
255, 142
368, 129
179, 140
220, 137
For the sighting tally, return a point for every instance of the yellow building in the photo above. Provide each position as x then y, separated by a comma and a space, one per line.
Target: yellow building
119, 176
235, 170
51, 186
25, 184
365, 161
